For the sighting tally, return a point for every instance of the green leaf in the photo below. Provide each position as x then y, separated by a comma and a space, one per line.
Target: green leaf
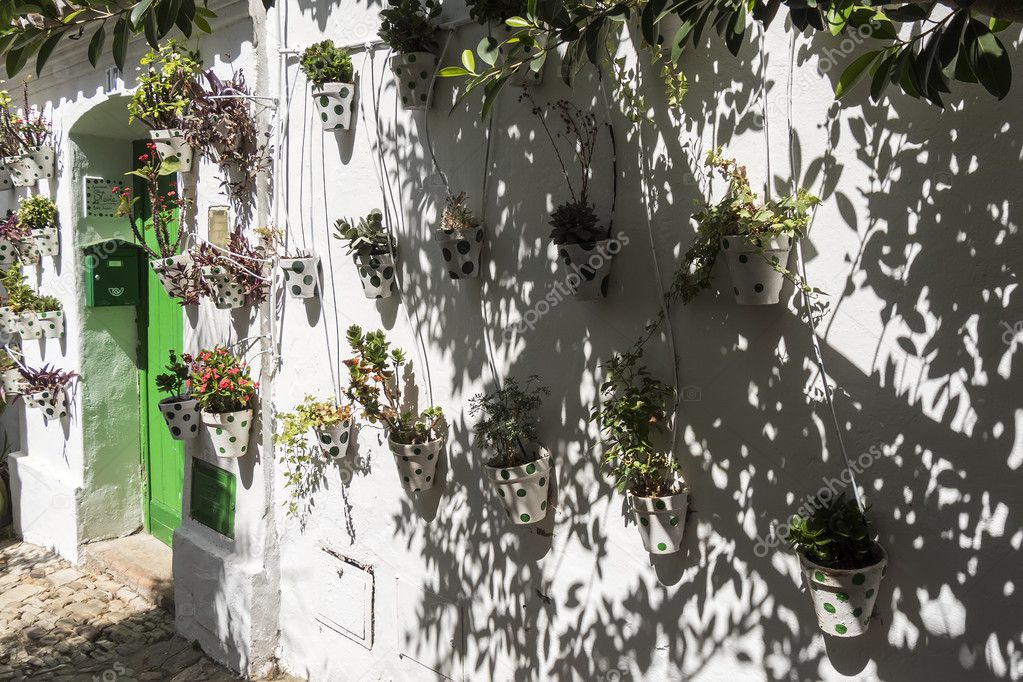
138, 11
150, 27
46, 50
96, 44
492, 90
516, 22
468, 60
989, 60
120, 46
855, 72
882, 73
489, 49
679, 41
452, 72
998, 25
201, 23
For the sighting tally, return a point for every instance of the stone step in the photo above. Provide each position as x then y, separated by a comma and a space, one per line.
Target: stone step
138, 561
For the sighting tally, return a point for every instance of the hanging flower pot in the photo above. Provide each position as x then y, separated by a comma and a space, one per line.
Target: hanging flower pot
334, 439
52, 323
13, 381
171, 145
9, 253
229, 432
173, 272
523, 489
334, 104
29, 325
661, 521
181, 412
28, 251
227, 294
301, 275
413, 74
843, 598
377, 274
30, 166
52, 402
10, 322
417, 464
47, 240
461, 251
5, 175
751, 264
587, 267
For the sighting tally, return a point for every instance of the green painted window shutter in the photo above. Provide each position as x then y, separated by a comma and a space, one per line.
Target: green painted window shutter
212, 500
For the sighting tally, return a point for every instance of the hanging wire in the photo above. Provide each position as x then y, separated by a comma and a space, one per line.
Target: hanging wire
488, 344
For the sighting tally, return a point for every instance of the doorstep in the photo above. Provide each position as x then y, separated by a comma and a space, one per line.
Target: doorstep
139, 561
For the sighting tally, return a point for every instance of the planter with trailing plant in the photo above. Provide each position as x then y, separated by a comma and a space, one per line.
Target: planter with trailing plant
460, 237
165, 84
11, 378
12, 234
409, 28
221, 383
375, 376
46, 390
236, 277
38, 216
329, 71
330, 424
841, 562
372, 249
28, 143
631, 416
519, 471
180, 410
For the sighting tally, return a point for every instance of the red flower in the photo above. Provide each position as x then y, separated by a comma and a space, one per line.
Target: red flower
224, 383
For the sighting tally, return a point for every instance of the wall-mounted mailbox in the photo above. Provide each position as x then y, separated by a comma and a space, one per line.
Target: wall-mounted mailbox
112, 273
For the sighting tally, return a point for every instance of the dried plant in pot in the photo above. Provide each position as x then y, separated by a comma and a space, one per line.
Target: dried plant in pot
841, 563
180, 410
460, 237
330, 423
234, 275
409, 28
300, 268
12, 235
519, 470
371, 246
220, 382
37, 216
375, 375
630, 416
332, 78
29, 143
46, 390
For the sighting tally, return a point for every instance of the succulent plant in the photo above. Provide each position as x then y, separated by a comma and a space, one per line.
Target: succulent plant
458, 216
575, 223
36, 212
367, 237
408, 25
324, 63
836, 535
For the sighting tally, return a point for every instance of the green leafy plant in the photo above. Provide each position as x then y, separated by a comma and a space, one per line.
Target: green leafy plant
220, 381
36, 212
25, 131
12, 229
375, 375
174, 380
739, 213
7, 361
165, 87
368, 237
485, 11
836, 535
46, 304
410, 25
324, 63
302, 461
23, 298
508, 423
457, 215
47, 378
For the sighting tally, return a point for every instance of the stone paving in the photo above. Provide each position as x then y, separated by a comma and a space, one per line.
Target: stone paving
60, 622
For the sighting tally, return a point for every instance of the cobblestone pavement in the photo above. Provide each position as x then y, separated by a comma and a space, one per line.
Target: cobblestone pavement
60, 622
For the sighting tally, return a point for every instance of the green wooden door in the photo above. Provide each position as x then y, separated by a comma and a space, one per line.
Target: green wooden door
160, 331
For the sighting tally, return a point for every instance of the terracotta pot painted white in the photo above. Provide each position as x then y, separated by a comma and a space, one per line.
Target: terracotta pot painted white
5, 175
48, 325
843, 598
334, 105
229, 432
417, 464
227, 294
53, 403
173, 272
377, 275
8, 253
587, 268
182, 416
47, 240
661, 521
754, 279
461, 250
13, 382
301, 275
28, 251
413, 74
31, 166
10, 323
335, 439
523, 489
171, 144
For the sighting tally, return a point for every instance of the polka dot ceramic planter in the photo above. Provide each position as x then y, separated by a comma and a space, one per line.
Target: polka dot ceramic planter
843, 599
5, 175
413, 74
377, 275
229, 432
226, 293
173, 272
13, 382
28, 168
28, 251
10, 322
335, 439
754, 279
334, 105
47, 240
182, 416
587, 268
661, 521
523, 489
170, 144
461, 250
417, 464
48, 325
53, 403
301, 276
8, 253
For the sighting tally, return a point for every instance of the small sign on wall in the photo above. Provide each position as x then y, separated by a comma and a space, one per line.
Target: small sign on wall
100, 199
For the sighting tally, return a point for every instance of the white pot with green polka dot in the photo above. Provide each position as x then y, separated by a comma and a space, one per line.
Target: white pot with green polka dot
587, 268
32, 165
523, 489
173, 272
413, 74
843, 598
48, 325
13, 381
226, 293
229, 432
751, 264
170, 144
8, 253
334, 105
661, 521
301, 275
461, 250
53, 403
5, 175
417, 463
47, 240
10, 322
28, 251
335, 439
377, 275
182, 416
